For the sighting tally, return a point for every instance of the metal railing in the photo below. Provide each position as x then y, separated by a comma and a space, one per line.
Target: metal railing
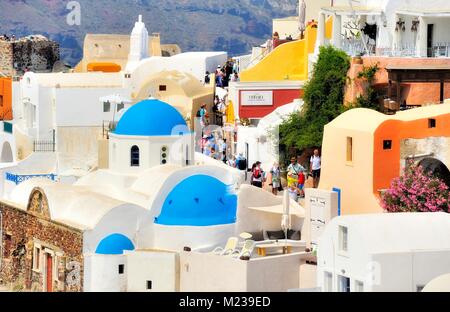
356, 47
44, 146
17, 178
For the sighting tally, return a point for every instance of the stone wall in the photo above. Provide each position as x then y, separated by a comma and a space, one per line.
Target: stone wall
37, 55
6, 58
24, 230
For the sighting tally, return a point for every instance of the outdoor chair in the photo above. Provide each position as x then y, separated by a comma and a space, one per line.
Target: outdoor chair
246, 251
230, 247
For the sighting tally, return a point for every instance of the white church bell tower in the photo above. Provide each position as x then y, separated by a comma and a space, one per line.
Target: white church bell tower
138, 44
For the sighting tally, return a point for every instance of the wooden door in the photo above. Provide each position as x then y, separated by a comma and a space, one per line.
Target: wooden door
49, 275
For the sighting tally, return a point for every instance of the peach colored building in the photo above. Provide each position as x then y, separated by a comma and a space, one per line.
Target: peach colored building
363, 150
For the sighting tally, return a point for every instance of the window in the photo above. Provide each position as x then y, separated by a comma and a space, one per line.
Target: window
36, 258
106, 107
431, 123
387, 145
121, 268
328, 282
1, 100
343, 239
135, 156
164, 155
359, 286
344, 284
162, 88
349, 149
127, 76
120, 106
149, 285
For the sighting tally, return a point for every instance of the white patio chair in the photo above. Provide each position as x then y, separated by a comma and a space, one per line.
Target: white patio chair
246, 251
229, 249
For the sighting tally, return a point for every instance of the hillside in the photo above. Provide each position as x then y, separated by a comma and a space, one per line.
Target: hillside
232, 25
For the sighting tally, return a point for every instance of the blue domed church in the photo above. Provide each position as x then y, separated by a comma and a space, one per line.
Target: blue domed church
151, 133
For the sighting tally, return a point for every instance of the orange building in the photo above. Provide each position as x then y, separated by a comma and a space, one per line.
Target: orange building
363, 151
6, 99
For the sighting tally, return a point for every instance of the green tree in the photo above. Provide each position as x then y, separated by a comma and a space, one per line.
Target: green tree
370, 99
324, 97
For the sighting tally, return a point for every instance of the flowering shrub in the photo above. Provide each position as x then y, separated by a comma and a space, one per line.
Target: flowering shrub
416, 191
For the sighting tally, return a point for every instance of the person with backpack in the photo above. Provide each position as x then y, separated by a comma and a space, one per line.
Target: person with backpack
241, 162
257, 175
202, 114
294, 171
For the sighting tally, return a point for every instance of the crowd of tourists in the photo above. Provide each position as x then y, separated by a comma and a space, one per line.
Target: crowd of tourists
297, 175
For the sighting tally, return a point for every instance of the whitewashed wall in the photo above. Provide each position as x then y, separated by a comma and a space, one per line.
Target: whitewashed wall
150, 151
161, 268
81, 107
211, 273
101, 273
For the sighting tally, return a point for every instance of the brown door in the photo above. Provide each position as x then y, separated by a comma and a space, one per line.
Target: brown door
49, 273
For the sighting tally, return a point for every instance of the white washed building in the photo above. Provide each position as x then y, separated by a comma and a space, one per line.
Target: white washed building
402, 27
400, 252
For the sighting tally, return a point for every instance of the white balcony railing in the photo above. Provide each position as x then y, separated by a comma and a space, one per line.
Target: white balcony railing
356, 47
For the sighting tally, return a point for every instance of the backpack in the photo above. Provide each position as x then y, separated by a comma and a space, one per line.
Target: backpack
257, 173
242, 164
301, 178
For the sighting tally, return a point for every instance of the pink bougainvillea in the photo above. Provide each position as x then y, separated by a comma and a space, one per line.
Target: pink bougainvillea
416, 191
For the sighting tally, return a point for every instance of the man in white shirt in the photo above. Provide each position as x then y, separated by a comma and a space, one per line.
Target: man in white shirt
315, 166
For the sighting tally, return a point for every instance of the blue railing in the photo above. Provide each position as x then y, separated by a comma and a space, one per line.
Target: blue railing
17, 178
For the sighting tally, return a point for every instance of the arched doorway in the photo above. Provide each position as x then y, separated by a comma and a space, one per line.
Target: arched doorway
437, 168
7, 154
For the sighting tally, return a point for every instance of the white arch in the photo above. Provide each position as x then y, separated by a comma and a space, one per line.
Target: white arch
7, 154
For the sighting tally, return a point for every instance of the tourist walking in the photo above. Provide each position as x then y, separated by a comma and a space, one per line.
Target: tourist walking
294, 171
316, 165
232, 162
257, 175
276, 178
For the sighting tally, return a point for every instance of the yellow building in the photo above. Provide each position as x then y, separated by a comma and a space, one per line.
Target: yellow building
277, 79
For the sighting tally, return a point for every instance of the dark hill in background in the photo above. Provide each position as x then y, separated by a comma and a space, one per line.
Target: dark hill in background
230, 25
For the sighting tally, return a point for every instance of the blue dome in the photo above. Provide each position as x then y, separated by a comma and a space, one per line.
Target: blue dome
114, 244
151, 118
199, 200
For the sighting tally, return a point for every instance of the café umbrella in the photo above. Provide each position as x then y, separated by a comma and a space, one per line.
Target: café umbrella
286, 217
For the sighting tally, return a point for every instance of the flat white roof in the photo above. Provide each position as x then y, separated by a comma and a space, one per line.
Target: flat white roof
355, 10
425, 13
399, 232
